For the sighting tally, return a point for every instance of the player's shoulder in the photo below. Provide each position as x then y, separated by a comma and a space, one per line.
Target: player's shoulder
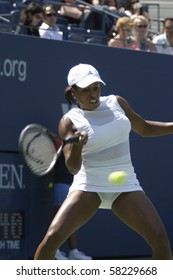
109, 99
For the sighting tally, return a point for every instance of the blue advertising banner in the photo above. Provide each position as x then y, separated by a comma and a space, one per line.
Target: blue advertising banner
25, 205
13, 205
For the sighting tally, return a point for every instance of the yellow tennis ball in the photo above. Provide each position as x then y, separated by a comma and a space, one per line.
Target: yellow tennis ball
117, 178
50, 185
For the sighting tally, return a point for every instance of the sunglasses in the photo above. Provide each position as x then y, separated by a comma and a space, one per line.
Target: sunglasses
51, 15
141, 26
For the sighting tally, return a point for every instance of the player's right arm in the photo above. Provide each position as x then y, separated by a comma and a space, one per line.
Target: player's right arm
72, 152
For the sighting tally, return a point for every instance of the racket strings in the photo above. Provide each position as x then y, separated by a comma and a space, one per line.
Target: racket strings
39, 151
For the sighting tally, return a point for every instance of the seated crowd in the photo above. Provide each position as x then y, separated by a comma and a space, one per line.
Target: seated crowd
132, 34
121, 24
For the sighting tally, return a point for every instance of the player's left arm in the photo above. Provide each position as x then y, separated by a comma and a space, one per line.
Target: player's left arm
145, 128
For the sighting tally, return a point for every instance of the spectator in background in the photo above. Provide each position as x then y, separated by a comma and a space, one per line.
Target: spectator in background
123, 37
30, 19
61, 180
97, 19
49, 29
134, 8
164, 41
72, 12
87, 16
112, 7
140, 35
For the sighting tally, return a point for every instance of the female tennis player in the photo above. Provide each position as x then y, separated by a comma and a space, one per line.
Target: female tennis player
103, 124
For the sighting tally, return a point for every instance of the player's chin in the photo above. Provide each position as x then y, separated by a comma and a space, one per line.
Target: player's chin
94, 105
90, 106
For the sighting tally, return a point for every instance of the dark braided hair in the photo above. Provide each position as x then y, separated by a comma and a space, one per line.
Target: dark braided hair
69, 96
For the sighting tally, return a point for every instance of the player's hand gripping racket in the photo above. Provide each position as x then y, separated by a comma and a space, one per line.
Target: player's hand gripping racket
39, 148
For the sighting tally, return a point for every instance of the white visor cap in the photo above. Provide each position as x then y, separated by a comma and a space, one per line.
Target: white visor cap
83, 75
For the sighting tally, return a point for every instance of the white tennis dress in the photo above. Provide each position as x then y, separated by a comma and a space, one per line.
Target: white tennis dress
106, 151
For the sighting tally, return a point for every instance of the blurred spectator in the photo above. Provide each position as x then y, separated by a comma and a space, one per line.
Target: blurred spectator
121, 4
89, 16
97, 19
164, 42
30, 19
94, 17
140, 35
72, 12
123, 37
134, 8
112, 7
49, 29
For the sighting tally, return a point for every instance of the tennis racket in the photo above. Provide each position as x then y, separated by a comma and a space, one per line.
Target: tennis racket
38, 147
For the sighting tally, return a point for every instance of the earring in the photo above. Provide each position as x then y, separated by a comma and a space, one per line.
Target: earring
74, 97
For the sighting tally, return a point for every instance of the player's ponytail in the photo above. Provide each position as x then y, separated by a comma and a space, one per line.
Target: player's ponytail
69, 96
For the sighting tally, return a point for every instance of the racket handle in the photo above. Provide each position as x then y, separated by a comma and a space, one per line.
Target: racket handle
72, 139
